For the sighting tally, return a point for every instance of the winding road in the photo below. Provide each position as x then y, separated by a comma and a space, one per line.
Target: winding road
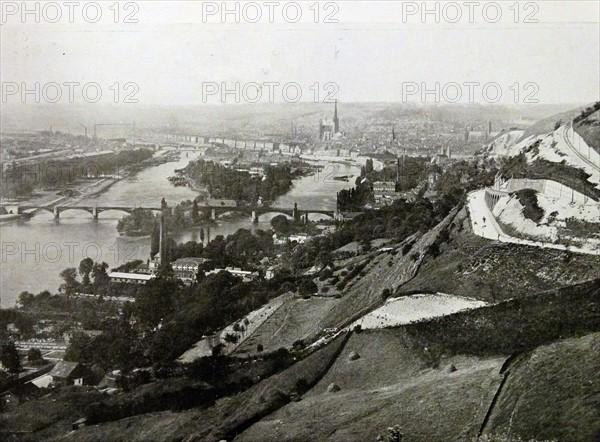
490, 228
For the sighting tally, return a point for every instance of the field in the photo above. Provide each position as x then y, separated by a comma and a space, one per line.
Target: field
296, 319
388, 384
411, 308
555, 393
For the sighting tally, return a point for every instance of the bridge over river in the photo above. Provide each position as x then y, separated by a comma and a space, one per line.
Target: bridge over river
215, 211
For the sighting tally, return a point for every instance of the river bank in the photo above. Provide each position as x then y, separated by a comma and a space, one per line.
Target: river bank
43, 246
88, 188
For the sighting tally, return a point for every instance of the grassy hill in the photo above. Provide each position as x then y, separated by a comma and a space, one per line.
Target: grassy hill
442, 379
384, 270
546, 125
438, 380
589, 129
432, 406
475, 267
553, 393
296, 319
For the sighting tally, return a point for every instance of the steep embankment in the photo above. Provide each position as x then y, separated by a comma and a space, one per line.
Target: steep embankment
294, 320
503, 143
440, 380
589, 129
552, 393
475, 267
385, 271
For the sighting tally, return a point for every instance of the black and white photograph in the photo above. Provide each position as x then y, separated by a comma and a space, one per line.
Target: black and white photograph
298, 221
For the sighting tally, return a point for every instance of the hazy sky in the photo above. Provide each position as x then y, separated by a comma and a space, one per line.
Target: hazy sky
378, 51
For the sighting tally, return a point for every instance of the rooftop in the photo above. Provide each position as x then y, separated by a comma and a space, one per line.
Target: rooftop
190, 259
136, 276
63, 369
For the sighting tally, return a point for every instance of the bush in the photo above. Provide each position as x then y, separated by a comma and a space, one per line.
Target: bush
325, 274
298, 345
307, 287
301, 386
531, 208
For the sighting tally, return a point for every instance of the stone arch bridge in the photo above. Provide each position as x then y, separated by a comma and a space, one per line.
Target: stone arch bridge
253, 211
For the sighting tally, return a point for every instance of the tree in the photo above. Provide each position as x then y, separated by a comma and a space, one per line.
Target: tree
218, 349
85, 268
100, 276
34, 356
178, 217
281, 225
80, 348
231, 338
25, 298
196, 214
69, 275
9, 356
307, 287
156, 302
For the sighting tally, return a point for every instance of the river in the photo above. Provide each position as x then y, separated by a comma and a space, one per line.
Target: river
35, 251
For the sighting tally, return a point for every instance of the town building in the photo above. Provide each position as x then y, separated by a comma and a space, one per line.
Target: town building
434, 173
69, 373
282, 240
442, 158
187, 268
130, 278
300, 238
384, 192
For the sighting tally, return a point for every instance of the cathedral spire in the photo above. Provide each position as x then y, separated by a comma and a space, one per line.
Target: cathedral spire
336, 121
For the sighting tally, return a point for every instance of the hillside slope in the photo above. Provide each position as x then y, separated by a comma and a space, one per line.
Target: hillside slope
451, 378
475, 267
385, 271
553, 393
546, 125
